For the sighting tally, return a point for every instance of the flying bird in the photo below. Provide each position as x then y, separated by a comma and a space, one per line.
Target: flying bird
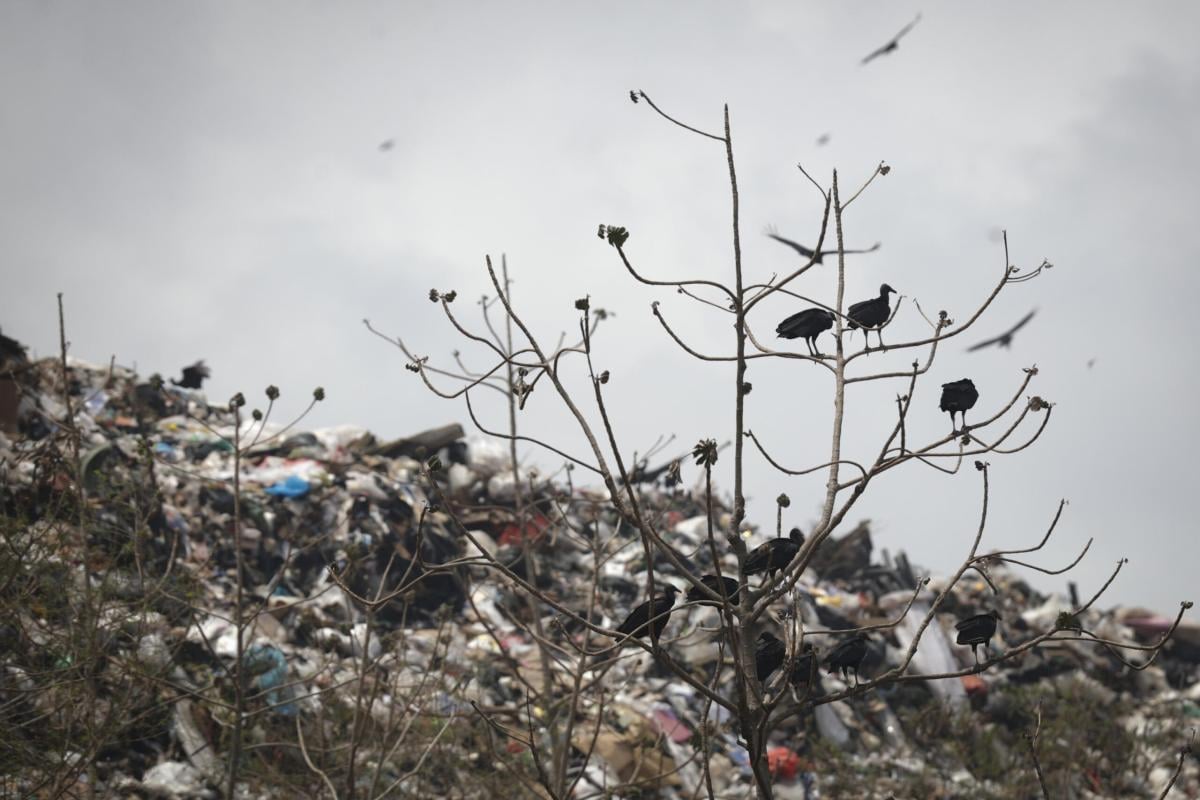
695, 595
1004, 339
807, 325
817, 257
871, 313
958, 397
894, 43
847, 656
774, 555
977, 630
769, 655
193, 376
386, 144
651, 617
823, 140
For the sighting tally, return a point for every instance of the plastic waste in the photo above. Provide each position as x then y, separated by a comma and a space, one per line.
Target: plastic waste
783, 762
269, 665
292, 486
175, 779
933, 655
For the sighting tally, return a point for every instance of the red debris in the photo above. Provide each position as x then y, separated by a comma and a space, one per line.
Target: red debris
534, 528
783, 763
975, 685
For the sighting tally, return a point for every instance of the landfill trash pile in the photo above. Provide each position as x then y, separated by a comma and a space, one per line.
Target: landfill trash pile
381, 656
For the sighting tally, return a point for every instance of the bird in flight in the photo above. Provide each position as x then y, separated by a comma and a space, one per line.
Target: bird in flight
1004, 339
894, 43
193, 376
813, 254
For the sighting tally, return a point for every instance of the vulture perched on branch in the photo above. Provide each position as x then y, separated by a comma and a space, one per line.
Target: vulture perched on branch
774, 555
807, 325
977, 630
958, 397
870, 314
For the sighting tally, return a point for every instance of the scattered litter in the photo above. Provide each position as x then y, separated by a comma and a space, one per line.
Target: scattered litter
350, 564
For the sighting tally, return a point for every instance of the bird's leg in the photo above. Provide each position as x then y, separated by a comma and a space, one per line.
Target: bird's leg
964, 421
975, 651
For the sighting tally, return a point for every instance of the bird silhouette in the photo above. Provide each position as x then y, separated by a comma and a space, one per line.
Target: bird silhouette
1004, 339
977, 630
807, 325
958, 397
651, 617
769, 655
695, 595
872, 313
817, 257
773, 555
193, 376
847, 656
894, 43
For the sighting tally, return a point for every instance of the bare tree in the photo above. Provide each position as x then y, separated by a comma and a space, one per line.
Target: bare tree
757, 709
97, 602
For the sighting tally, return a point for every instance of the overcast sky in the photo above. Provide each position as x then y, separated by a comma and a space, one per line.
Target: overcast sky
204, 180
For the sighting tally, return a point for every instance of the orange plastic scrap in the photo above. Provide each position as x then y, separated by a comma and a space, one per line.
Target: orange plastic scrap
783, 763
974, 685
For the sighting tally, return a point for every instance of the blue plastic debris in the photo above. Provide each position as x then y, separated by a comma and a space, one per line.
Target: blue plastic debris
270, 665
292, 486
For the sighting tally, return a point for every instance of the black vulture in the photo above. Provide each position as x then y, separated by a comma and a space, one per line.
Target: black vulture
695, 594
769, 655
193, 376
817, 257
894, 43
847, 656
1004, 339
804, 669
959, 396
651, 617
807, 325
871, 314
977, 630
774, 555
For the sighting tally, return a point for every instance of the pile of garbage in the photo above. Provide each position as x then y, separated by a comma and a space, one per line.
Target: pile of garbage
387, 649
